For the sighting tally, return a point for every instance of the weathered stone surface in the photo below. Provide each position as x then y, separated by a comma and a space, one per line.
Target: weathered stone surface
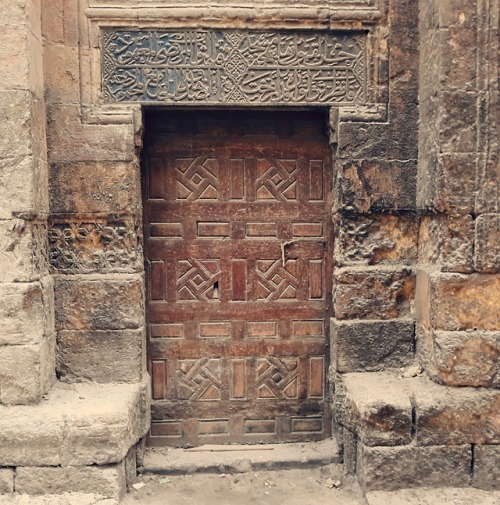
113, 302
373, 294
466, 302
61, 73
23, 250
428, 241
26, 312
433, 496
457, 132
446, 416
370, 346
369, 185
390, 468
376, 407
457, 244
101, 356
70, 140
95, 245
459, 49
77, 425
16, 190
107, 481
16, 138
359, 141
470, 358
376, 239
487, 245
6, 480
95, 187
26, 372
486, 465
14, 50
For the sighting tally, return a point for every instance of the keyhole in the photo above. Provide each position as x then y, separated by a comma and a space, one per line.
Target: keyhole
215, 292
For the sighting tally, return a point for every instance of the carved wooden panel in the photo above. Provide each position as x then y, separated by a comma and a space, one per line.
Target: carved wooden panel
238, 246
234, 67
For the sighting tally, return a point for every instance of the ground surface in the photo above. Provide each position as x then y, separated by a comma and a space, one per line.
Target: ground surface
315, 486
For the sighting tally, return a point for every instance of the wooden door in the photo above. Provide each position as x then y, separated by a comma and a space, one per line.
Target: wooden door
238, 247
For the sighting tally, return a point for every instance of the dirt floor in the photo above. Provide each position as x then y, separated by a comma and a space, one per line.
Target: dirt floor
317, 486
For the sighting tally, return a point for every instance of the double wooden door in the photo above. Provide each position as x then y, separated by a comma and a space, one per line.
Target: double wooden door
238, 249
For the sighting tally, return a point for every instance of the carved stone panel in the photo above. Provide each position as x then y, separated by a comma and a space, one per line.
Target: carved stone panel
234, 67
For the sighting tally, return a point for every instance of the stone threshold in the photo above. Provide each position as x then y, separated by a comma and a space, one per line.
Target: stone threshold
240, 458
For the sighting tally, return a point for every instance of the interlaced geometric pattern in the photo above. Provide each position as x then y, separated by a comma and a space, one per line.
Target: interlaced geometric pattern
198, 280
196, 179
234, 67
277, 180
198, 379
275, 281
277, 377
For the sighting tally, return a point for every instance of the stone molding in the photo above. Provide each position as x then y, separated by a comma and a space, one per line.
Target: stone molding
97, 16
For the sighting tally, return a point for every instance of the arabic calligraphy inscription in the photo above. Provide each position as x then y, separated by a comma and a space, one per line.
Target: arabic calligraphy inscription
233, 67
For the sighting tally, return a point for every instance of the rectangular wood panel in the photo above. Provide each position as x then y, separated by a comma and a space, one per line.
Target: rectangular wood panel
239, 246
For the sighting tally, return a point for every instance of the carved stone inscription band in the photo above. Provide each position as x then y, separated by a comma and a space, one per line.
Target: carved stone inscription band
234, 67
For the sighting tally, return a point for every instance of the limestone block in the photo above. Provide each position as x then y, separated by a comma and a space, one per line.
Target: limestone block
17, 193
26, 372
467, 358
61, 73
487, 245
95, 187
455, 183
26, 312
368, 185
459, 13
16, 140
111, 302
486, 465
457, 132
457, 243
23, 250
373, 294
390, 468
101, 356
96, 244
6, 480
14, 53
376, 239
359, 141
53, 21
106, 481
487, 198
70, 140
376, 407
370, 346
465, 302
428, 241
76, 425
449, 416
459, 50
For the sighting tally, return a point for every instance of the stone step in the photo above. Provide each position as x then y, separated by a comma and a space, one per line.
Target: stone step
405, 432
76, 440
240, 458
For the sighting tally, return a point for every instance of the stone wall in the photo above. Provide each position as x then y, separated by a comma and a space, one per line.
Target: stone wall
416, 248
458, 286
27, 338
375, 212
